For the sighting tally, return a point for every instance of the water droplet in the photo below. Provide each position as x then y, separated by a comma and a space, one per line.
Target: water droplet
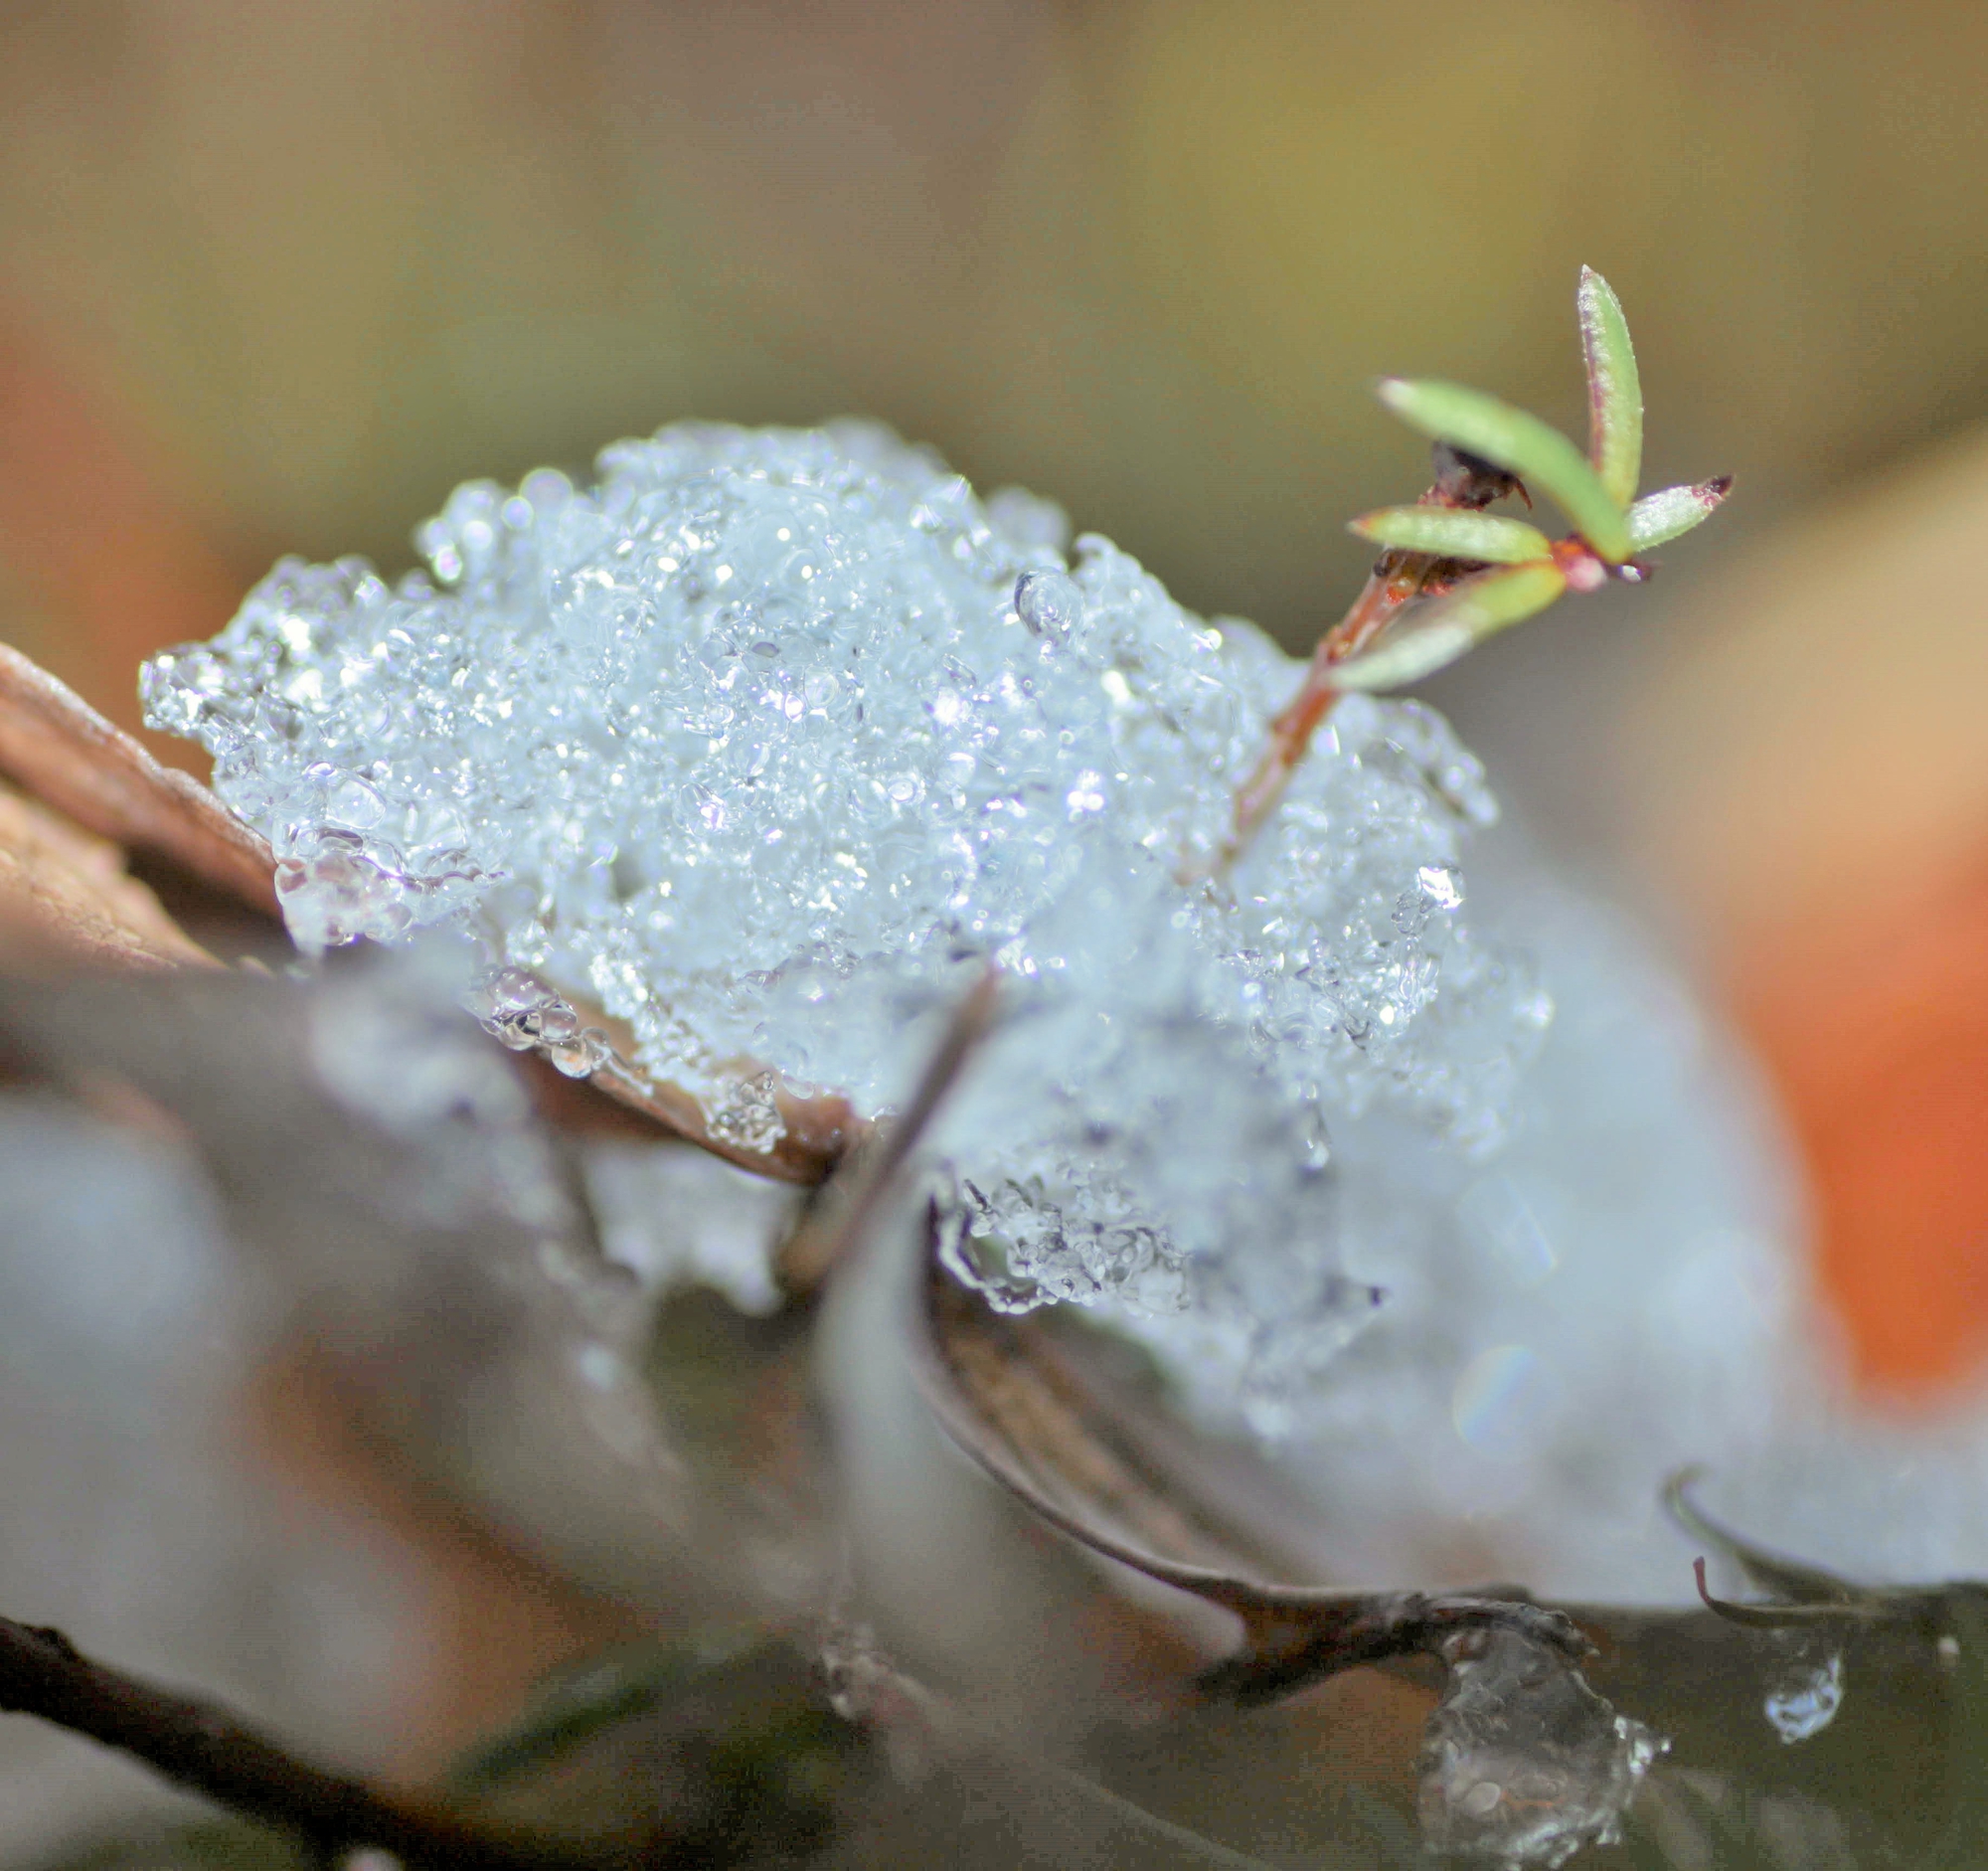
1441, 886
1051, 604
1481, 1800
1805, 1701
555, 1024
519, 1009
581, 1055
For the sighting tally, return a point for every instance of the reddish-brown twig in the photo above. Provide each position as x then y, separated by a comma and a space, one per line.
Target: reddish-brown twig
1398, 578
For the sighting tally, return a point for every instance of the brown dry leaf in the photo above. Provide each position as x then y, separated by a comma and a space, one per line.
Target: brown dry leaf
1000, 1390
818, 1132
59, 748
1004, 1389
65, 898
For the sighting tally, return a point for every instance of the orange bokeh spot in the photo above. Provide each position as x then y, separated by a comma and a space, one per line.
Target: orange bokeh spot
90, 520
1878, 1038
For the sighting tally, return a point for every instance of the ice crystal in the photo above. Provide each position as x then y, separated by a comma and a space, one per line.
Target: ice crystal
1618, 1295
766, 742
1803, 1702
1522, 1763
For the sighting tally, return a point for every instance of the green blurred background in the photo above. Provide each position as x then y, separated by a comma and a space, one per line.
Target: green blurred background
308, 266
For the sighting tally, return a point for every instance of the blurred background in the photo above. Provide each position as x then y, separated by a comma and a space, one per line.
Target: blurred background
273, 278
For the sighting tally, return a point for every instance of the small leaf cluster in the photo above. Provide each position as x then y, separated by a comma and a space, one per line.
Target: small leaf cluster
1506, 569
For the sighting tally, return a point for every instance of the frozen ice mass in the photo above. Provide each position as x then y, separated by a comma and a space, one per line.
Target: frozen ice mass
765, 744
762, 746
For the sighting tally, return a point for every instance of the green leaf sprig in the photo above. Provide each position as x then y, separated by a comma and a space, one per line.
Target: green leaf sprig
1452, 573
1502, 570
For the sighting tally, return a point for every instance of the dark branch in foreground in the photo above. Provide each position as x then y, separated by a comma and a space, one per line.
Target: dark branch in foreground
204, 1747
832, 1231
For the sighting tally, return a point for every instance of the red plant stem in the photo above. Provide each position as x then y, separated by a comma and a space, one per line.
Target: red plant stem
1398, 578
1462, 482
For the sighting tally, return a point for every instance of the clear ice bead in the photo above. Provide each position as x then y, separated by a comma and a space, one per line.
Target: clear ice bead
1051, 604
1805, 1699
1522, 1763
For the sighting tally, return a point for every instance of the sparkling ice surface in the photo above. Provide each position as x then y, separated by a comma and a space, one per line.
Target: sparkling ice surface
766, 742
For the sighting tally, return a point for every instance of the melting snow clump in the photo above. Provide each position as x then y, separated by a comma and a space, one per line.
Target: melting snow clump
767, 742
1522, 1763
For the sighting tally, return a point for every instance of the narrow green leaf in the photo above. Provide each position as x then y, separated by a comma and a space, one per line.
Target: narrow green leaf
1614, 389
1432, 635
1657, 519
1452, 533
1514, 440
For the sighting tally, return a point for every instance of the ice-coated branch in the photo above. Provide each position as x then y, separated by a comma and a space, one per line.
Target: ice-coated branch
206, 1748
